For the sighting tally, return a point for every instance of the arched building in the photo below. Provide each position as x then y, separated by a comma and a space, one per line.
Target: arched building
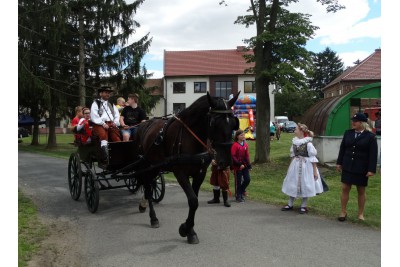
358, 89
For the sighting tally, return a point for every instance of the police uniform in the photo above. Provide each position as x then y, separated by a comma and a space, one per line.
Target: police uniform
357, 156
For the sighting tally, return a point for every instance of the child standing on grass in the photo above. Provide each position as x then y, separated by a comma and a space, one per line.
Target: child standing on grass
302, 179
241, 165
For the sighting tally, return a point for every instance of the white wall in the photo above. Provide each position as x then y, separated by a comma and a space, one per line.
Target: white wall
189, 97
328, 148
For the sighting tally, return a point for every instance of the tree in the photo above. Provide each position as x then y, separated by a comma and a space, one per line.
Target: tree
279, 55
325, 68
65, 42
294, 102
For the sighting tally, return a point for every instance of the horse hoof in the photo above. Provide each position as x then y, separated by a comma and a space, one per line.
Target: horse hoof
142, 209
155, 224
193, 239
182, 230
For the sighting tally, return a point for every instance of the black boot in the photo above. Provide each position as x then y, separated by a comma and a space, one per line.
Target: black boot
225, 197
215, 200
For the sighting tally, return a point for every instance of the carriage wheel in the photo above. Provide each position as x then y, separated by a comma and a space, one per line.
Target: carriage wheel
75, 176
132, 184
91, 191
158, 188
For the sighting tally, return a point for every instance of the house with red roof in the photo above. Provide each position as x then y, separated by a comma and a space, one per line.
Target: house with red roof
366, 72
190, 74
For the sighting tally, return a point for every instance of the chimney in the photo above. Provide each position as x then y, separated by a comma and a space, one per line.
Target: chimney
240, 48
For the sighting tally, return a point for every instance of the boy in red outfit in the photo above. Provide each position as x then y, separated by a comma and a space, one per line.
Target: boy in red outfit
241, 165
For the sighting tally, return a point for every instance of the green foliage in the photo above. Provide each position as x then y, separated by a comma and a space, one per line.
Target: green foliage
279, 54
30, 230
294, 102
325, 68
50, 34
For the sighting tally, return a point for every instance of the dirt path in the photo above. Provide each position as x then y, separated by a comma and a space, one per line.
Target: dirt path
61, 248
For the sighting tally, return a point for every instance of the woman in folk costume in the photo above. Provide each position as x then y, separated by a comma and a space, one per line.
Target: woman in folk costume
302, 179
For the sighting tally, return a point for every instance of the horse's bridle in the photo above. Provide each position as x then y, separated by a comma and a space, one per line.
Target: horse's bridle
227, 111
208, 146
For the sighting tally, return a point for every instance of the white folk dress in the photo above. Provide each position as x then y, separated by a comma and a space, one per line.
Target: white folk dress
299, 181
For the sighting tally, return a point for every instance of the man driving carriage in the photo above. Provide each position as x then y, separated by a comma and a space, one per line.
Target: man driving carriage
105, 118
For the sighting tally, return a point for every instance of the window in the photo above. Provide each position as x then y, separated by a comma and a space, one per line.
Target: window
200, 87
250, 87
223, 89
178, 107
179, 88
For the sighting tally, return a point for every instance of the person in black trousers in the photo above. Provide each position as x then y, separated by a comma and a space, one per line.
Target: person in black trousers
356, 161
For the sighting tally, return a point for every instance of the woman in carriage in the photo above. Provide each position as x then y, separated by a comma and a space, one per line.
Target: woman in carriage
83, 129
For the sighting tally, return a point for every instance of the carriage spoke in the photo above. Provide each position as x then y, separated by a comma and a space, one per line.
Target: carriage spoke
74, 176
91, 191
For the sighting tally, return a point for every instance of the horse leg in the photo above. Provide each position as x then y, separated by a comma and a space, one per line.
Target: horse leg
147, 193
143, 204
198, 181
186, 228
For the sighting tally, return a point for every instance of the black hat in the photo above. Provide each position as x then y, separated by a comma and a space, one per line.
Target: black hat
359, 117
105, 88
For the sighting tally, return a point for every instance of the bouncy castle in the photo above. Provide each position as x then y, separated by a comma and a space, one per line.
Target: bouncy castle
245, 110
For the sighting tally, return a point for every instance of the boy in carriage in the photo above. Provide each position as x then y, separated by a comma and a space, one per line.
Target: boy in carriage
131, 117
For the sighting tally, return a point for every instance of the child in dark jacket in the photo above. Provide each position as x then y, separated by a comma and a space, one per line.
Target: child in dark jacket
241, 165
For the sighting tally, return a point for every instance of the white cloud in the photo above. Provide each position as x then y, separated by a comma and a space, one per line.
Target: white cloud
202, 25
349, 58
192, 25
345, 25
156, 74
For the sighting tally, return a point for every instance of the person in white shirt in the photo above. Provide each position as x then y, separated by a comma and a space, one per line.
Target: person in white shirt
105, 118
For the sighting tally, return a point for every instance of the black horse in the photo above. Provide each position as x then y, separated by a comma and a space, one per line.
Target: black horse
185, 144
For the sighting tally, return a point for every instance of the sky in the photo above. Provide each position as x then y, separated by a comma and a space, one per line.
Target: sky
180, 25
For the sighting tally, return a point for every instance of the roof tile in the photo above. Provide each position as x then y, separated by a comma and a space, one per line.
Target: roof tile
205, 62
368, 69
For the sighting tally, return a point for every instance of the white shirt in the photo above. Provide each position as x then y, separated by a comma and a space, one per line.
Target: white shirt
107, 114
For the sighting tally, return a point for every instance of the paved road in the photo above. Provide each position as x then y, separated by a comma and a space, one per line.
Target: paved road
251, 234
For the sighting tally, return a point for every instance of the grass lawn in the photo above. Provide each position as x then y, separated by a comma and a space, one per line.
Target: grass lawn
30, 230
266, 181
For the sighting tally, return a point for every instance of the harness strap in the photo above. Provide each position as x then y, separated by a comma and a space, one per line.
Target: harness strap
195, 136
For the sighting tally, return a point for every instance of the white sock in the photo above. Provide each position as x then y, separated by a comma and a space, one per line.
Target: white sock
304, 202
291, 200
103, 143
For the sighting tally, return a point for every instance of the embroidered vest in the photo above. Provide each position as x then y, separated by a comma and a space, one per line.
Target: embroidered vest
300, 150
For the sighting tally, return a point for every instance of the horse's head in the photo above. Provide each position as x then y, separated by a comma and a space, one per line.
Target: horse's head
221, 124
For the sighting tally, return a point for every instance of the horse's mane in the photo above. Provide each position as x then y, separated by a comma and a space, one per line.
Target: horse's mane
196, 111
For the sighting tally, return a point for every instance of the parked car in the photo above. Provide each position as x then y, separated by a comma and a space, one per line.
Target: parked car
281, 120
22, 132
289, 126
